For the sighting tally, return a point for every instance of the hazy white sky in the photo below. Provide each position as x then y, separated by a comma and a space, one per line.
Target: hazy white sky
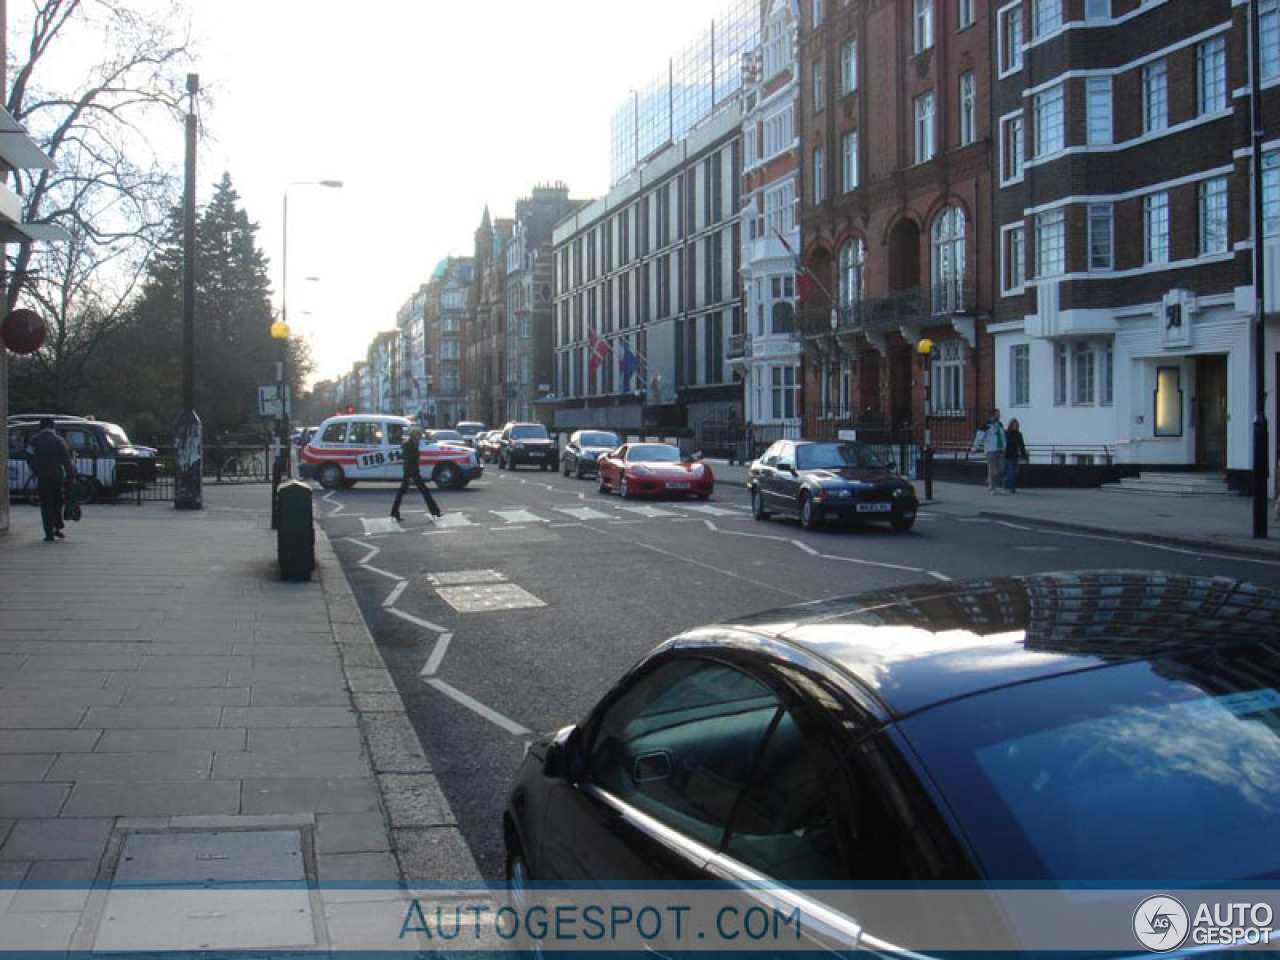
426, 111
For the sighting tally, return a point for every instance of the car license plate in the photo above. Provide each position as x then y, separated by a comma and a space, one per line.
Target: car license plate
677, 486
537, 453
875, 507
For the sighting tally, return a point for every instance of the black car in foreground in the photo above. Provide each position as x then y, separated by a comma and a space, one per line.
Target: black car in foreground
530, 443
584, 448
821, 482
1106, 734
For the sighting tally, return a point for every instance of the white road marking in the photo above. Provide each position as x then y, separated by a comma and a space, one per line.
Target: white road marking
938, 576
1012, 526
725, 573
518, 516
394, 595
373, 551
584, 513
475, 706
708, 508
805, 548
452, 578
425, 624
487, 597
383, 573
647, 511
337, 507
432, 666
379, 525
567, 523
454, 520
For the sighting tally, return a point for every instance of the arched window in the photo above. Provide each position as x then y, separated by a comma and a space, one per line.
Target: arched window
948, 261
853, 260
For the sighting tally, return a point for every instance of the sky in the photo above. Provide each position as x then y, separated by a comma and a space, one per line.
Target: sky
426, 111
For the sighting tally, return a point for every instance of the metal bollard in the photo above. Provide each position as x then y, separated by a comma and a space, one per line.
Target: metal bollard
295, 533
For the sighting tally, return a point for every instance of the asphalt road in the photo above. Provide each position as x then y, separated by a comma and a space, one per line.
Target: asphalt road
512, 616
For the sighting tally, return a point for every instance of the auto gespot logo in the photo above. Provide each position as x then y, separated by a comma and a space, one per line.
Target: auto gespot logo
1162, 924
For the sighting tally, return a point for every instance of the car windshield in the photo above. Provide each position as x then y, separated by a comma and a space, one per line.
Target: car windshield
445, 435
531, 431
470, 429
598, 440
654, 453
836, 456
1151, 772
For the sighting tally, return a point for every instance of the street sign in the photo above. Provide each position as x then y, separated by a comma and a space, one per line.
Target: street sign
269, 401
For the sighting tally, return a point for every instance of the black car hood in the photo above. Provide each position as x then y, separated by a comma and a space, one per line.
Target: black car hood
925, 644
855, 475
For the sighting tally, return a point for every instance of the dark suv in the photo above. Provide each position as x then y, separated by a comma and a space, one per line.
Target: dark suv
526, 443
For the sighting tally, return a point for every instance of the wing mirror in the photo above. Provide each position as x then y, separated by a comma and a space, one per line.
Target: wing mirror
786, 466
565, 759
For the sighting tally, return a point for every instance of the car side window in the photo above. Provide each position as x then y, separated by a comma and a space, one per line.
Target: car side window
680, 743
395, 434
335, 433
366, 433
789, 822
17, 443
82, 443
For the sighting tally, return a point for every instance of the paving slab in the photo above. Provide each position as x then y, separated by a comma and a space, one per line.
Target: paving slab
147, 798
347, 795
191, 697
301, 739
176, 765
33, 799
264, 765
171, 741
288, 717
351, 833
162, 718
25, 766
55, 885
57, 839
48, 741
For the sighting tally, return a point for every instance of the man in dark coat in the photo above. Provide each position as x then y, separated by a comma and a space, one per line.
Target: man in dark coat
409, 452
50, 461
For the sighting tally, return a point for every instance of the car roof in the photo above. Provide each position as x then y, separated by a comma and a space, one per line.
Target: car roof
918, 647
390, 417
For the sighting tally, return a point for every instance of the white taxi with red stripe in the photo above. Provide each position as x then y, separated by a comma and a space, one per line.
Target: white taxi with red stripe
354, 447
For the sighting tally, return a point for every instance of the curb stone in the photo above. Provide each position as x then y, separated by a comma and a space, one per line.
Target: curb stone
427, 848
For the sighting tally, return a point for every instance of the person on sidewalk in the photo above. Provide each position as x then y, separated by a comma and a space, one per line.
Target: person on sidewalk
1015, 452
409, 452
990, 441
51, 462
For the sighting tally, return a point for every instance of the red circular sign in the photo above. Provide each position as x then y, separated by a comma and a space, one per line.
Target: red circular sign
23, 331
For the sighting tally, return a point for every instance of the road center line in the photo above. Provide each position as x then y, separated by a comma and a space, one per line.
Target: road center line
493, 716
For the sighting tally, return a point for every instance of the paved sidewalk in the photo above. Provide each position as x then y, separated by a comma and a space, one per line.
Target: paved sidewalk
1198, 523
171, 712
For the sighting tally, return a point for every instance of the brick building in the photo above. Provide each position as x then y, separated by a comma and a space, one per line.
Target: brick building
896, 214
1123, 317
484, 374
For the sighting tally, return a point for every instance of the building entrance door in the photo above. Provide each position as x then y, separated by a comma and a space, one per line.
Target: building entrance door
1211, 412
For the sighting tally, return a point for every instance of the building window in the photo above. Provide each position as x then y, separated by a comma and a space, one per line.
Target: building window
924, 128
1155, 96
819, 85
1211, 75
782, 310
818, 12
1051, 243
1011, 39
853, 261
849, 67
1155, 222
948, 261
1101, 236
1060, 366
923, 33
849, 161
1168, 402
968, 109
1014, 276
776, 47
1046, 16
1098, 108
1106, 381
948, 377
1271, 194
524, 370
1020, 375
779, 209
1084, 371
819, 174
1269, 38
964, 14
1050, 122
1097, 9
782, 393
778, 133
1014, 147
1213, 216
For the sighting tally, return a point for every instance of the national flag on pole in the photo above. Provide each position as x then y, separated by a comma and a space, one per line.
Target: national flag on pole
598, 350
628, 363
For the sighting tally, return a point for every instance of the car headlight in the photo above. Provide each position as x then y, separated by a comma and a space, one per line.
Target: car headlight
903, 491
518, 445
695, 470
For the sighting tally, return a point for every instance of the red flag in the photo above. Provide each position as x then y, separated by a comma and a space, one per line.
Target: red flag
598, 350
804, 287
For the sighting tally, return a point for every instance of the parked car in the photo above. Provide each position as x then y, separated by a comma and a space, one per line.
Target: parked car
450, 438
487, 446
351, 448
653, 469
470, 430
583, 450
107, 462
529, 443
838, 481
1049, 731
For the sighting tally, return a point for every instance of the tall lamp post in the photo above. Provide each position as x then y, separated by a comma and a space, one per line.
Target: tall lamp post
280, 329
925, 349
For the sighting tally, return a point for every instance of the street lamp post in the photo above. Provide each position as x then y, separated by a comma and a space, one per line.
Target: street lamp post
280, 329
925, 349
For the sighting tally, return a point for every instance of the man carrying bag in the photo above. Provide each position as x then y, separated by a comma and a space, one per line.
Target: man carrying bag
51, 462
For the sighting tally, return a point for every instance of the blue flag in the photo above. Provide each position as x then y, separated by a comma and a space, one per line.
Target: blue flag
627, 365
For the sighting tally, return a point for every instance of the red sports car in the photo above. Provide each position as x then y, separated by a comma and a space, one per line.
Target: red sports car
654, 469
